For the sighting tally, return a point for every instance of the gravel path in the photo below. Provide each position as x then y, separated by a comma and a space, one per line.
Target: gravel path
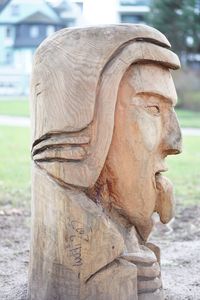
15, 121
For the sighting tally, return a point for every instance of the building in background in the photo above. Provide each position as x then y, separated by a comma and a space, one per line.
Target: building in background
133, 11
3, 3
24, 24
68, 11
115, 11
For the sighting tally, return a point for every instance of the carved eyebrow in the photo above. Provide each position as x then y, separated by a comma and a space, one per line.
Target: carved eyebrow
160, 95
172, 101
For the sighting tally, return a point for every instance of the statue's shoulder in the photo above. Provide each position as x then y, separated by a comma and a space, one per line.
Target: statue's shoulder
101, 242
92, 240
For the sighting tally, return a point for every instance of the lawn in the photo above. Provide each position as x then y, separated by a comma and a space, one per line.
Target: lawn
21, 108
184, 169
188, 118
14, 165
15, 107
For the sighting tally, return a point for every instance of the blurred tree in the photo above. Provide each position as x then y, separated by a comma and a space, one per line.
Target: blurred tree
191, 21
179, 20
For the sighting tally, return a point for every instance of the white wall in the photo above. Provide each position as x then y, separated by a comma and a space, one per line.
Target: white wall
100, 12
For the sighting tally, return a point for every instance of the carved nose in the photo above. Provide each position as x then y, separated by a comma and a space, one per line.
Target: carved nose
173, 137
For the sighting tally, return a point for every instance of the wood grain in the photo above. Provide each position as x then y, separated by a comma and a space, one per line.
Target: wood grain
103, 122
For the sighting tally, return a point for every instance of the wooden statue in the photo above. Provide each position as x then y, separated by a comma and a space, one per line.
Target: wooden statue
103, 122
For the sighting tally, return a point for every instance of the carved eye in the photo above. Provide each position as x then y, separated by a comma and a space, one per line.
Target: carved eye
153, 109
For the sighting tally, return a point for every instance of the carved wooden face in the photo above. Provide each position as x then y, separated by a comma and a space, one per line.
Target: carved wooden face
146, 131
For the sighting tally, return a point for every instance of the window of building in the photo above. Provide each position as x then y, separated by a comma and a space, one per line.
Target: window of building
197, 6
8, 32
50, 30
131, 18
15, 10
34, 31
70, 23
8, 58
135, 2
80, 5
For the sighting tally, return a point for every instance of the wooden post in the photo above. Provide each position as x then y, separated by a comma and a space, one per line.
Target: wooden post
102, 124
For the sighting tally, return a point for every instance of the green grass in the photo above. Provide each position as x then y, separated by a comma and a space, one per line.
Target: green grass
188, 118
15, 165
184, 169
14, 107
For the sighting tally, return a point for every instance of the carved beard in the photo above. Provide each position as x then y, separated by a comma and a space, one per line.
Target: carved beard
102, 193
165, 205
165, 202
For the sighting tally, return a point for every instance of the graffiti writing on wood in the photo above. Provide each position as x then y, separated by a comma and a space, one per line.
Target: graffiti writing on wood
74, 242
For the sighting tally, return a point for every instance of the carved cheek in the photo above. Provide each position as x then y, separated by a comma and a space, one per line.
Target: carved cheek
150, 129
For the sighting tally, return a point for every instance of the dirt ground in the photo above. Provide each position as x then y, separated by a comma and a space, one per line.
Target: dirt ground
179, 243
